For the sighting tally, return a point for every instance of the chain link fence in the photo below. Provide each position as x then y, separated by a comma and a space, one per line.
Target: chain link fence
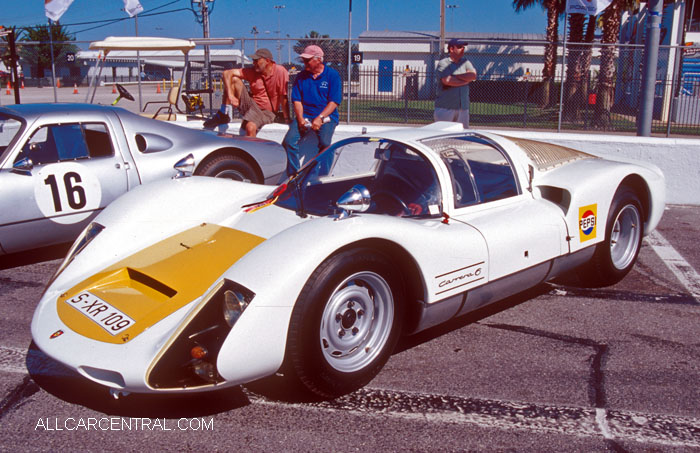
388, 87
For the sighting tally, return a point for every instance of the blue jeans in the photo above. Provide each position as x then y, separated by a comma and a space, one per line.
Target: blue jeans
303, 148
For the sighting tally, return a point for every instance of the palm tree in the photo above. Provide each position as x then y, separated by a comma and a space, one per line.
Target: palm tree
554, 9
611, 18
579, 63
39, 55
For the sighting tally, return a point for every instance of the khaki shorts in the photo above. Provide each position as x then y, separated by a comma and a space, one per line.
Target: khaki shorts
457, 116
250, 111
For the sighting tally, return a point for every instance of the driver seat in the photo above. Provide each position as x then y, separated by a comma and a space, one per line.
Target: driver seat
171, 103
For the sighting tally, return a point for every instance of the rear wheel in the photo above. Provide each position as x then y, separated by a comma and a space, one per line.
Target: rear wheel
345, 323
616, 255
229, 166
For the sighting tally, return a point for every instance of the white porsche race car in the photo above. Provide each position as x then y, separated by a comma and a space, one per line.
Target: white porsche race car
194, 284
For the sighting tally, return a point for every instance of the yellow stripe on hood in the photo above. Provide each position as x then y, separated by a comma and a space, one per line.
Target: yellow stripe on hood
155, 282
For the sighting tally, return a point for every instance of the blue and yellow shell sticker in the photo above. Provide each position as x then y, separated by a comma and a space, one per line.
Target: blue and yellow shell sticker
587, 221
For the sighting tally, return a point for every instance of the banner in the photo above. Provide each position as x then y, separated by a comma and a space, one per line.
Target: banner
588, 7
132, 7
54, 9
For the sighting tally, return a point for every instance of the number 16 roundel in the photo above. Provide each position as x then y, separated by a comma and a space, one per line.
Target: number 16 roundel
66, 192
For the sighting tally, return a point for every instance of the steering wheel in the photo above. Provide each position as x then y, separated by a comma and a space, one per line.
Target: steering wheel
122, 94
391, 200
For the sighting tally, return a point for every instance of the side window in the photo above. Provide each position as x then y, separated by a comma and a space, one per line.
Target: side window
40, 147
63, 142
493, 175
480, 172
98, 141
462, 181
69, 141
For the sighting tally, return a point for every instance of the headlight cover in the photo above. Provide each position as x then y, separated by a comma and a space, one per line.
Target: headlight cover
189, 358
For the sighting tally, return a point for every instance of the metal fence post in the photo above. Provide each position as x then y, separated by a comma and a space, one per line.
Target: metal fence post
526, 85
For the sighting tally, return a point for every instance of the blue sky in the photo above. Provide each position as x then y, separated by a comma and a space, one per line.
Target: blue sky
235, 18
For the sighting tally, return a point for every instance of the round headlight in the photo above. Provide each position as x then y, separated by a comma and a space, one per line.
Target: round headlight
234, 304
205, 370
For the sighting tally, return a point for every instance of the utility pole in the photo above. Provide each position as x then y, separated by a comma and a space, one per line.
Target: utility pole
10, 33
442, 27
138, 62
204, 11
651, 58
279, 8
349, 58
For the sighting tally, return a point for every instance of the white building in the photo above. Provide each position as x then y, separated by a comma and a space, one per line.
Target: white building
388, 54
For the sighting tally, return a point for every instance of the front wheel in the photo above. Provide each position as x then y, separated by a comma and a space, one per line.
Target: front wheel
229, 166
345, 323
615, 257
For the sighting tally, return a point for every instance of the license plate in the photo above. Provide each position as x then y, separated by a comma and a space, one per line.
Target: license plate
100, 312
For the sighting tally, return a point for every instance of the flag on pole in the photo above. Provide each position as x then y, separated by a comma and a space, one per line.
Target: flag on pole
54, 9
132, 7
588, 7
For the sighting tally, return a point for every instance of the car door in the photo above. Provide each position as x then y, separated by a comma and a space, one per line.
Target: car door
58, 179
520, 231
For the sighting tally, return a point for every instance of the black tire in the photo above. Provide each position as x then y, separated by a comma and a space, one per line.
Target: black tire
229, 166
345, 323
616, 255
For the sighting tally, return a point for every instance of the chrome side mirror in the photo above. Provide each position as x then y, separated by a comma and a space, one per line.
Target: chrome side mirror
184, 167
24, 165
357, 199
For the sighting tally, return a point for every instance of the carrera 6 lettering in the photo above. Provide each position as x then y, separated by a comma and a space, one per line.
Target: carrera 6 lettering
476, 273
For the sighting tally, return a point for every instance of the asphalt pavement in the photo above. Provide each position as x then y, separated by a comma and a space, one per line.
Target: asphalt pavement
557, 368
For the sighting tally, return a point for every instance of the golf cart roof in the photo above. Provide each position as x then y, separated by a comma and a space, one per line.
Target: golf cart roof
142, 43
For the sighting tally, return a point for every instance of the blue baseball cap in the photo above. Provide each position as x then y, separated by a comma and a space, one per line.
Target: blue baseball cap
456, 42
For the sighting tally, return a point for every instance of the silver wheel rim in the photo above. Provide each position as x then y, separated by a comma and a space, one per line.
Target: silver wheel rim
233, 174
356, 322
624, 238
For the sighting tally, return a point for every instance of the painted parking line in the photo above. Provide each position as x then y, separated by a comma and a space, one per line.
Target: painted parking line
610, 425
683, 271
12, 360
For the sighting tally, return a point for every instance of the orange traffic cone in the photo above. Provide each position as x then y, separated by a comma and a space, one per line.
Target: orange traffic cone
8, 91
58, 83
75, 88
158, 88
114, 89
22, 87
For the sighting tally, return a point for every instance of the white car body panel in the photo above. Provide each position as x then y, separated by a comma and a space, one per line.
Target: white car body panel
463, 259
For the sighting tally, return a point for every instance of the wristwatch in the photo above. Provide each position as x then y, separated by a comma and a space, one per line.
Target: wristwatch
322, 117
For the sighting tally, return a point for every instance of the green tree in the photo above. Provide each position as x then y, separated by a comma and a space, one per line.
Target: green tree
39, 55
554, 9
335, 51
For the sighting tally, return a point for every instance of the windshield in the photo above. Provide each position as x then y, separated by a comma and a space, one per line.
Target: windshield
9, 129
401, 182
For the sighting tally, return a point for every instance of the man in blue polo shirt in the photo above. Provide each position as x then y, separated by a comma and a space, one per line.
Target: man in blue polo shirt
316, 94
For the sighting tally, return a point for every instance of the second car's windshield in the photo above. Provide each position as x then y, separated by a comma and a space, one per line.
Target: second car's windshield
400, 181
9, 128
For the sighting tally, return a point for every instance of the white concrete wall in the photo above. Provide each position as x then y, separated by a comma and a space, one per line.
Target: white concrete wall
678, 158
